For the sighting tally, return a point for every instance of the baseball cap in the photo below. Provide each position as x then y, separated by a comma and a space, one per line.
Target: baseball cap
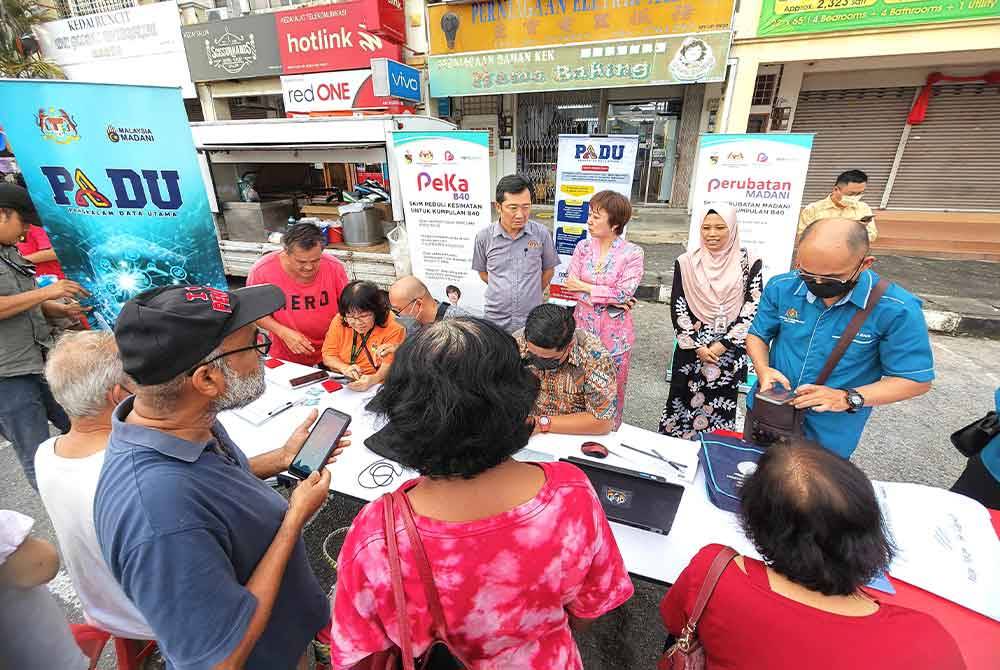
16, 197
166, 331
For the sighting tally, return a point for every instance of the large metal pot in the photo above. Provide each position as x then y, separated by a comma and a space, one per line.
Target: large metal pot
362, 228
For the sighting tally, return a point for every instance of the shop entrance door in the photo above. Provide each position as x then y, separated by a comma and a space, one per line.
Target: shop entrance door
656, 125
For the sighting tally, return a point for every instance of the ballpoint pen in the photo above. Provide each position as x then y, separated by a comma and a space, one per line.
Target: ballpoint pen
680, 467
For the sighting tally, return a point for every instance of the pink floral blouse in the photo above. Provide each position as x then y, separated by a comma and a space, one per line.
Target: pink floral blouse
615, 281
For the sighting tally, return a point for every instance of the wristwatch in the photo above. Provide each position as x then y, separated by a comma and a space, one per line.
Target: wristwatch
855, 400
544, 424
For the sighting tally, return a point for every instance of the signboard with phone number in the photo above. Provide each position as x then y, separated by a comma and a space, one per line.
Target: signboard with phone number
783, 17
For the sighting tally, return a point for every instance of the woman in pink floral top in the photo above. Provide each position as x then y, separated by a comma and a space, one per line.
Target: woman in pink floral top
605, 271
518, 551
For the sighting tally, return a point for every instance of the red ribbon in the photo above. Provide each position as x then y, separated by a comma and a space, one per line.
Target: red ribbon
919, 111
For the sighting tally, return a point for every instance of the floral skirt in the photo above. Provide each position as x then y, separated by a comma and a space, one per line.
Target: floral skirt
703, 397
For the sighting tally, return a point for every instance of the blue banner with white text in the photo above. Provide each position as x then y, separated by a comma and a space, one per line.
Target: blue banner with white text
113, 172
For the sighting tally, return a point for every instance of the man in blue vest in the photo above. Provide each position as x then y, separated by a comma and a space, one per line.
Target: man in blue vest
800, 319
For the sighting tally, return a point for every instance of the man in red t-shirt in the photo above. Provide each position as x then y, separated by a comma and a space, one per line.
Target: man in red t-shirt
37, 248
312, 282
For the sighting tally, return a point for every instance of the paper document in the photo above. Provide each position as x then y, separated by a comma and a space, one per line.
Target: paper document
274, 401
947, 544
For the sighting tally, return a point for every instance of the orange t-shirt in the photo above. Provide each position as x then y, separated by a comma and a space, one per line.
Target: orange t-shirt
341, 339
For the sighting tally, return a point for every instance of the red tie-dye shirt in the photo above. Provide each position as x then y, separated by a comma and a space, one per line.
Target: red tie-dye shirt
507, 583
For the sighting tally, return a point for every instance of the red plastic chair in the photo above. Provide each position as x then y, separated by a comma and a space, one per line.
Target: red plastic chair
92, 640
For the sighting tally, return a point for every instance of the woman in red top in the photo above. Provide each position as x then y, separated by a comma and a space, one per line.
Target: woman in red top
814, 518
519, 551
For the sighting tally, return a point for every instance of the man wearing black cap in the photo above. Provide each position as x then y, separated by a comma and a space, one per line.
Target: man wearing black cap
211, 556
26, 405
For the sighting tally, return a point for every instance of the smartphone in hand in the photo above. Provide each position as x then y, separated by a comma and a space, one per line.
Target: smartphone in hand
777, 395
322, 440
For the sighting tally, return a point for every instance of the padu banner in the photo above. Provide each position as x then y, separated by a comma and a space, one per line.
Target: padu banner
113, 173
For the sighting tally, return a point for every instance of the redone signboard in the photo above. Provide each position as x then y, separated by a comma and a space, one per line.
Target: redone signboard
232, 49
324, 92
319, 39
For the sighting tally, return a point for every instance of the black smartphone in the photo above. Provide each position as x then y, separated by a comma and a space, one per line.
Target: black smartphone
322, 440
311, 378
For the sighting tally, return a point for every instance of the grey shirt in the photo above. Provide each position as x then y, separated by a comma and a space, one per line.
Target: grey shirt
24, 336
515, 267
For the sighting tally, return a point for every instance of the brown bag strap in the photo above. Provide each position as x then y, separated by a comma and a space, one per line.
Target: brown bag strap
712, 577
423, 567
852, 329
396, 575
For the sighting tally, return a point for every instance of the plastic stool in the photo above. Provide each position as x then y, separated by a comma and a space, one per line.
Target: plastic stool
92, 640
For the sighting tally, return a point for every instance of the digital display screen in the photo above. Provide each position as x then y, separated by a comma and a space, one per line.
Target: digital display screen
313, 454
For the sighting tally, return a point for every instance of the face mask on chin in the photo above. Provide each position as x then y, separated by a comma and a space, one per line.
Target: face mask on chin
409, 323
829, 289
543, 364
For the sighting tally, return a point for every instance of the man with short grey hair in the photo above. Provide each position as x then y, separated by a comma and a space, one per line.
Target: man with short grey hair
86, 377
209, 553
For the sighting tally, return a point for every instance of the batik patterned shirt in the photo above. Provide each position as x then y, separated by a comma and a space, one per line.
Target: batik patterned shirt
584, 383
508, 583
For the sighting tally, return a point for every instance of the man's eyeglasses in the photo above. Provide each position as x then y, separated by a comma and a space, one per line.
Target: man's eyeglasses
262, 345
397, 312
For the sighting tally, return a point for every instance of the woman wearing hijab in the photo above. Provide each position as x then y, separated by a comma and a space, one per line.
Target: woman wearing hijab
715, 294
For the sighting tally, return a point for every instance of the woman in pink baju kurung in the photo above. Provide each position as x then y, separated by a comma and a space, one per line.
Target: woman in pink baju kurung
605, 271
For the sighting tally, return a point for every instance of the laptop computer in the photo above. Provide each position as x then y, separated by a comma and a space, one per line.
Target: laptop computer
643, 501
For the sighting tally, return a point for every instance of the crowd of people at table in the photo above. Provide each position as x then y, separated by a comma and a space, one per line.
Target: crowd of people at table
170, 533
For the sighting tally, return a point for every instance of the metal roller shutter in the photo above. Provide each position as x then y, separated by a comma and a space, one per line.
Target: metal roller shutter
857, 128
952, 159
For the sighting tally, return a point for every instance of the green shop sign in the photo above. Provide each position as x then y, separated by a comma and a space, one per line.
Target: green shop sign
784, 17
677, 59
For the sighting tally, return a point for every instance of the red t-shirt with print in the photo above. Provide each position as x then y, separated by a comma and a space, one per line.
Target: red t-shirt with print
507, 583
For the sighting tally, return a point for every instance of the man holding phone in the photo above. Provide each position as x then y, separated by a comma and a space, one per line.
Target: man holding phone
211, 556
801, 317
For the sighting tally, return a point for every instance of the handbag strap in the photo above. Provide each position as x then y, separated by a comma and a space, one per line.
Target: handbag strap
396, 575
423, 567
852, 329
712, 577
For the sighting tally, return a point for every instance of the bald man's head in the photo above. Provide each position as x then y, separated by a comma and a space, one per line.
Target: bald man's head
406, 289
409, 297
836, 232
835, 249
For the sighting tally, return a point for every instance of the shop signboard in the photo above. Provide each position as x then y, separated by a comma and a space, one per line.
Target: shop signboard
233, 49
680, 59
586, 165
138, 45
762, 176
395, 79
444, 179
113, 173
329, 37
515, 24
320, 93
786, 17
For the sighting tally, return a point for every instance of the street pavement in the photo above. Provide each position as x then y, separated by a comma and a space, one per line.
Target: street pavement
903, 442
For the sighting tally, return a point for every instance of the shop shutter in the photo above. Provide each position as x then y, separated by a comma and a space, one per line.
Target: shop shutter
855, 129
241, 113
193, 109
952, 159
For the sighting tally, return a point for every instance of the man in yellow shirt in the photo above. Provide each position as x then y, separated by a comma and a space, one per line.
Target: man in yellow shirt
844, 202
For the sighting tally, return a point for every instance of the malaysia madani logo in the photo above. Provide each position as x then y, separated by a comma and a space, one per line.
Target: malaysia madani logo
57, 125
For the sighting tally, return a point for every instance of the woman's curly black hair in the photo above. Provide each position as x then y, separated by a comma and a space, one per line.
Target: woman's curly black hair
814, 518
457, 399
364, 296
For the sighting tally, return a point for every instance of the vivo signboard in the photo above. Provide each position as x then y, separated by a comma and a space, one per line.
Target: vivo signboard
394, 79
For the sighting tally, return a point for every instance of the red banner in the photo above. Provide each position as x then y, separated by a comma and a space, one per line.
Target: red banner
332, 37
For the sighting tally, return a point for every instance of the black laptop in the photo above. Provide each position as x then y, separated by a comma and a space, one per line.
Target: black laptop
648, 502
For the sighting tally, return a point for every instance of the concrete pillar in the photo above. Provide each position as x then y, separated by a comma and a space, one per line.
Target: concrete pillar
739, 105
788, 92
687, 143
214, 109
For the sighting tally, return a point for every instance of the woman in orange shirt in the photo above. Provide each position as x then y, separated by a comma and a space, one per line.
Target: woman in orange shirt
362, 325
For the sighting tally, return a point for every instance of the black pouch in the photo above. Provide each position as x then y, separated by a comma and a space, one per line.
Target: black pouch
973, 438
766, 423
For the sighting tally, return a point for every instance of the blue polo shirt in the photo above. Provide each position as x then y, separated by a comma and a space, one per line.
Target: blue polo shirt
990, 455
802, 332
182, 527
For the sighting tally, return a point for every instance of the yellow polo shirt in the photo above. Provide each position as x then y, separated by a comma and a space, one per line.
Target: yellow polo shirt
827, 209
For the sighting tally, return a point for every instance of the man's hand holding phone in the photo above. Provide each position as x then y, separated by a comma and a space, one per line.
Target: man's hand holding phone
309, 496
768, 377
301, 433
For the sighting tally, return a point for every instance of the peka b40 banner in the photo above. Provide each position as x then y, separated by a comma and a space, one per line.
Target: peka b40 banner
113, 173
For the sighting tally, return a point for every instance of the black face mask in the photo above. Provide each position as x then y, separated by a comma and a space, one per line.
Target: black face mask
542, 363
829, 287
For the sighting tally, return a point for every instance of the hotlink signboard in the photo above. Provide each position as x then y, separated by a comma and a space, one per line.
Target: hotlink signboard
113, 173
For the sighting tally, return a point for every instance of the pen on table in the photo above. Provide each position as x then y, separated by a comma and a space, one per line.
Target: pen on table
680, 467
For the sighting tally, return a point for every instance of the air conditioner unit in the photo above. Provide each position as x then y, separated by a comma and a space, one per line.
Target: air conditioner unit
218, 14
